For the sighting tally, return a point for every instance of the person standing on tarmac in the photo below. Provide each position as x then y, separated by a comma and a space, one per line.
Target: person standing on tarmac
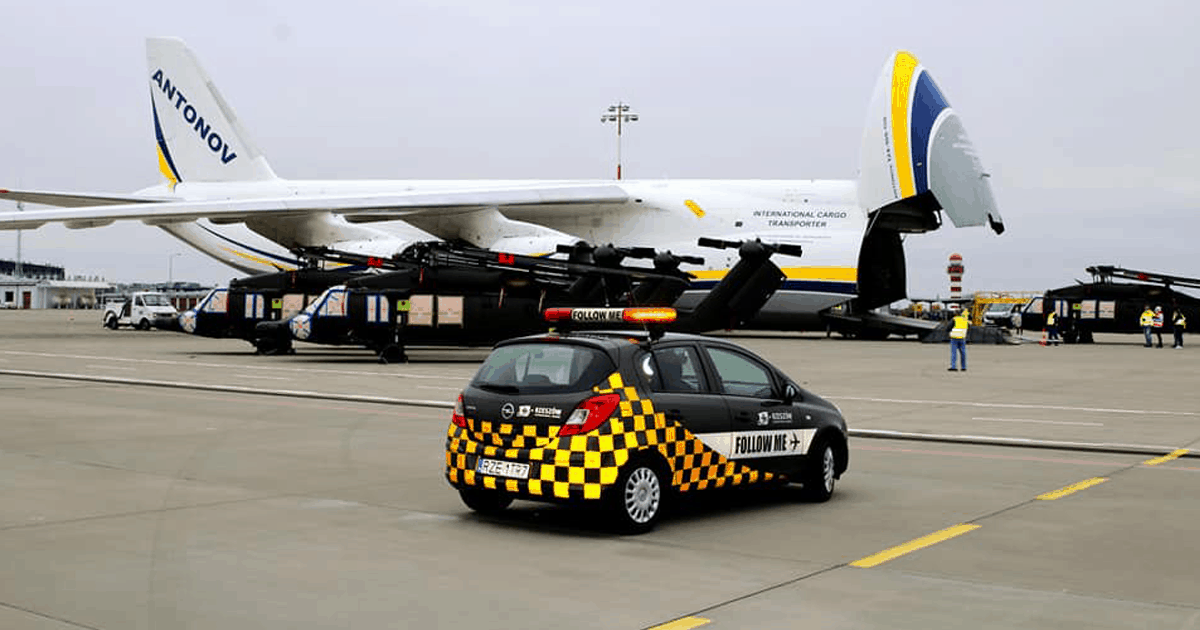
958, 341
1146, 321
1052, 328
1179, 322
1158, 323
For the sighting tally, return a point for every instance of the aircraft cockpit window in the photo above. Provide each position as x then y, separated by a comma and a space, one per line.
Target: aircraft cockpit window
334, 304
215, 302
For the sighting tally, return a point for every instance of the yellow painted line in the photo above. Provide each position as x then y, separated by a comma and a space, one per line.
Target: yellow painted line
1166, 458
1072, 489
913, 545
695, 208
683, 624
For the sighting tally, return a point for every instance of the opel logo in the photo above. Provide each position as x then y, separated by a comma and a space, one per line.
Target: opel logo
507, 411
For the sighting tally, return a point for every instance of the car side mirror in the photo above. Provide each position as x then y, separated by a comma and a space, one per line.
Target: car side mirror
789, 394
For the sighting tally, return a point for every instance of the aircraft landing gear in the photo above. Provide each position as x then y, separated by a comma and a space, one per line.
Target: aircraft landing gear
271, 347
392, 353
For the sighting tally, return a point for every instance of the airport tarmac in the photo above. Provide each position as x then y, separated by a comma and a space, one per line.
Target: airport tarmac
157, 480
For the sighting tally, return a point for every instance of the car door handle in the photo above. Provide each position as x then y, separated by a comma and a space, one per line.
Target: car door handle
674, 414
744, 416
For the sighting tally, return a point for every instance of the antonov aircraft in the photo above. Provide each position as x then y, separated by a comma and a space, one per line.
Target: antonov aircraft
916, 164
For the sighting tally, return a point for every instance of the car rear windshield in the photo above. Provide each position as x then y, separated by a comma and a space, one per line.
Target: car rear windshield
542, 367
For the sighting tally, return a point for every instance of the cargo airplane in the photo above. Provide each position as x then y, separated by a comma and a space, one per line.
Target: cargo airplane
916, 166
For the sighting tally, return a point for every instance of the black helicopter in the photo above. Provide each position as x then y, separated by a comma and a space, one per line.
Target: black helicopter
439, 293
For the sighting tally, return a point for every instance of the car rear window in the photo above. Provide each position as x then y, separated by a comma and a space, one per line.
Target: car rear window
543, 367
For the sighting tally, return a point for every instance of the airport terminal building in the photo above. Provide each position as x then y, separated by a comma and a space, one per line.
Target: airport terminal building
45, 286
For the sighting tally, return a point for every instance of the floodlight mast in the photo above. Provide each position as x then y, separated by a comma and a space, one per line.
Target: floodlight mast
619, 114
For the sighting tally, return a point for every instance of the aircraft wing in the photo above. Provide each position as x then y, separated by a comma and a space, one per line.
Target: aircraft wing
354, 208
71, 200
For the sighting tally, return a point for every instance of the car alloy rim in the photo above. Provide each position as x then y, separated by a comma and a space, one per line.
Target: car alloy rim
827, 465
642, 495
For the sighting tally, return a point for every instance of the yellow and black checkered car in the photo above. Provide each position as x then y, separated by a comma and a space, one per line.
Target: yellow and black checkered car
583, 466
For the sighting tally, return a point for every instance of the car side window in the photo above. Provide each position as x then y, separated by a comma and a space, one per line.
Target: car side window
676, 370
740, 375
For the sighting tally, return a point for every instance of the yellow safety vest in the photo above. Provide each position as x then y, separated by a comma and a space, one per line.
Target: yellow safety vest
1052, 318
960, 327
1147, 318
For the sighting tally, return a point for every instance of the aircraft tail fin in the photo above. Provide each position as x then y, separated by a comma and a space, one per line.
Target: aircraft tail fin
199, 138
916, 156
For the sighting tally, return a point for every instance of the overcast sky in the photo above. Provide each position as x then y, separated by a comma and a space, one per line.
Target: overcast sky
1084, 112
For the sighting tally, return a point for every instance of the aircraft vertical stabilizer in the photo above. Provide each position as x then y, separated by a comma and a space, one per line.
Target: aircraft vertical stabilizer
199, 137
915, 147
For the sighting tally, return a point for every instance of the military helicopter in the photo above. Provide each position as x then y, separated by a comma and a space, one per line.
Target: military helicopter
441, 293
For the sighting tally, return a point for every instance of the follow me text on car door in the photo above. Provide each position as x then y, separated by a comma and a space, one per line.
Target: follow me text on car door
770, 429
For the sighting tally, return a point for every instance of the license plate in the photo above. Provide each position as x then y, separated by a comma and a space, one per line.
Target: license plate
498, 468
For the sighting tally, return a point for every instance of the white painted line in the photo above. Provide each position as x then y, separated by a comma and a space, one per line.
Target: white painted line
227, 366
1143, 412
260, 376
1062, 422
991, 440
236, 389
110, 367
449, 389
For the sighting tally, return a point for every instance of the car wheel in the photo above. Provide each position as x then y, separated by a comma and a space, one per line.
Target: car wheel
485, 501
144, 324
820, 473
110, 322
636, 501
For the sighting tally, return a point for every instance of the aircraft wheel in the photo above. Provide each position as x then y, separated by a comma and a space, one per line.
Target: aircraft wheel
392, 354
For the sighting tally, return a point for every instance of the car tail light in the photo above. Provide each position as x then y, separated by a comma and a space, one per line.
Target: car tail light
459, 419
590, 414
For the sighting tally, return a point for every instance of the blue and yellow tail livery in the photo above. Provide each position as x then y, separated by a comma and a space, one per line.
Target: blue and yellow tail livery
914, 144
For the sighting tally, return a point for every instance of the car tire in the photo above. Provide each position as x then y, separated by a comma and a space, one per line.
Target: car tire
637, 500
144, 324
110, 322
485, 501
820, 472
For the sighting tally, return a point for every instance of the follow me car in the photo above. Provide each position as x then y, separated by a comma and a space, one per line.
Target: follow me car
626, 418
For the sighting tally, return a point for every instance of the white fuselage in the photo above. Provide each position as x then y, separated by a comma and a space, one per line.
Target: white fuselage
822, 216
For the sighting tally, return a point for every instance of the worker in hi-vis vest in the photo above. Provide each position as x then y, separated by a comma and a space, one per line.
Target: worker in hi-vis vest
958, 342
1179, 323
1052, 328
1146, 321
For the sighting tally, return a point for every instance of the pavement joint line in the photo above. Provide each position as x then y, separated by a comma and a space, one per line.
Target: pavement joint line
760, 591
176, 508
35, 613
915, 544
1101, 447
1071, 489
965, 403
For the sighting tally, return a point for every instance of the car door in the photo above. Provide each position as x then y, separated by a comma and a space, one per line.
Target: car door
768, 431
683, 391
